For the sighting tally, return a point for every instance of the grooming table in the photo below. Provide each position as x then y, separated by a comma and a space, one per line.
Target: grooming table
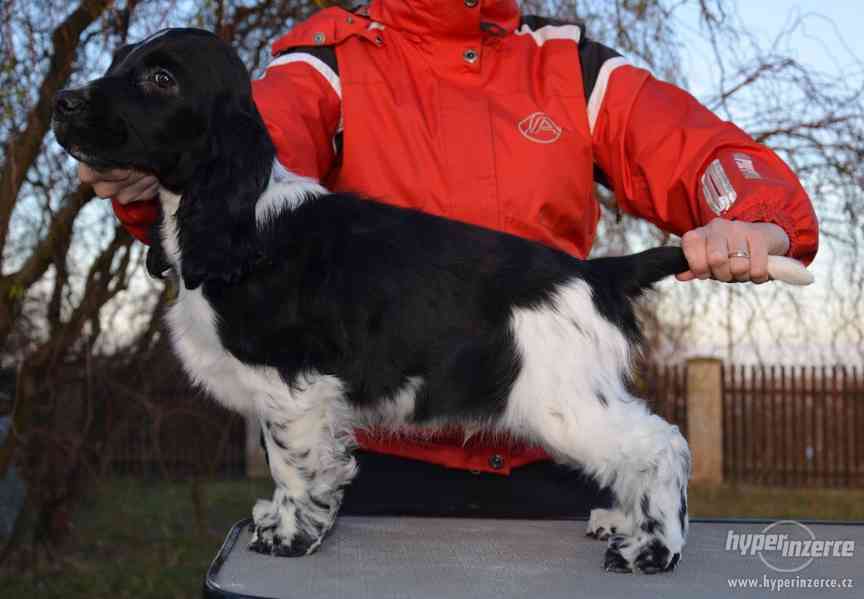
436, 558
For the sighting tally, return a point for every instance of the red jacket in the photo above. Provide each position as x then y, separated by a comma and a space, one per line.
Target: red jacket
480, 115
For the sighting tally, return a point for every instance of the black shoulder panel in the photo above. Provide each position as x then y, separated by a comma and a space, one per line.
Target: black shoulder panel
325, 54
535, 22
592, 55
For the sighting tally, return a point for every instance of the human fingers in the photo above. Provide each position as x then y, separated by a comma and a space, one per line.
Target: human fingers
758, 258
143, 188
693, 244
717, 247
739, 256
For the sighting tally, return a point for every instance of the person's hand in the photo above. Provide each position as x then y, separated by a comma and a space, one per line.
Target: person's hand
732, 250
124, 185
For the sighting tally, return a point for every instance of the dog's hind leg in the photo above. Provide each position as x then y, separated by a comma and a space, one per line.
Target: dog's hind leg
646, 463
651, 486
571, 396
309, 438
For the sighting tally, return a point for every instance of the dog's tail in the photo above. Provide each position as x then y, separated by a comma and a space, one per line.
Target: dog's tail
636, 272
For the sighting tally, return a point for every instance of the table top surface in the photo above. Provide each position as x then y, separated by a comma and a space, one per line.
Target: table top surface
419, 558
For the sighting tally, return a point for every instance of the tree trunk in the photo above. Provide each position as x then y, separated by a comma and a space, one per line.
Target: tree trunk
22, 149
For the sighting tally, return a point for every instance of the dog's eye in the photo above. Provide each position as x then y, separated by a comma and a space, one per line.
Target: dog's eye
162, 78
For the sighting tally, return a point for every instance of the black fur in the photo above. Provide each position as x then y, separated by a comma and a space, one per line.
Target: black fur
649, 524
654, 558
221, 195
682, 510
157, 262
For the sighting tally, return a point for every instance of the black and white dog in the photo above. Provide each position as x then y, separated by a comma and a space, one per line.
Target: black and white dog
322, 312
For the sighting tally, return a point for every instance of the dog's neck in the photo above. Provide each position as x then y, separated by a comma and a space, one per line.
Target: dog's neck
285, 192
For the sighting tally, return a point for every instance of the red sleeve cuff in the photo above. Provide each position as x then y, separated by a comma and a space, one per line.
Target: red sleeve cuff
754, 185
137, 217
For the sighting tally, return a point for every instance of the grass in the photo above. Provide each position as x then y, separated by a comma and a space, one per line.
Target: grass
776, 503
138, 539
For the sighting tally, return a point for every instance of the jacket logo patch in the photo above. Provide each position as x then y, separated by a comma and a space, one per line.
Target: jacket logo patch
745, 165
540, 128
719, 193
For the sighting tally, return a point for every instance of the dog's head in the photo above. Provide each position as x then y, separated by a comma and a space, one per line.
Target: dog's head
179, 105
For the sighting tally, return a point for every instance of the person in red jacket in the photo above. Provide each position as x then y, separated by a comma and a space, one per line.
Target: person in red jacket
475, 112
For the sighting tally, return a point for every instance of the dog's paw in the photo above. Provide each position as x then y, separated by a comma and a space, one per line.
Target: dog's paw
645, 554
268, 542
279, 528
604, 523
655, 558
275, 531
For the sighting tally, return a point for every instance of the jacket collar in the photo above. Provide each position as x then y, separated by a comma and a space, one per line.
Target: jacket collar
447, 18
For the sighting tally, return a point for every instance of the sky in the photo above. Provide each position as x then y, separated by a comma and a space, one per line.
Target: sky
830, 38
841, 27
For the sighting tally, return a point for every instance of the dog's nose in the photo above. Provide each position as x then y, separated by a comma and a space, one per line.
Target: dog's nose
69, 102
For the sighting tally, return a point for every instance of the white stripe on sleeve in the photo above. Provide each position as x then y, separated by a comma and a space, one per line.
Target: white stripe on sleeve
552, 32
323, 69
599, 91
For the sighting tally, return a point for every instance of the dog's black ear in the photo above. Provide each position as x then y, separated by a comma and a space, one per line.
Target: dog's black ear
216, 217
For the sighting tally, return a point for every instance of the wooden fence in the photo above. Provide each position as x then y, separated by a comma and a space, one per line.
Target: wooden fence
665, 389
794, 426
176, 436
782, 425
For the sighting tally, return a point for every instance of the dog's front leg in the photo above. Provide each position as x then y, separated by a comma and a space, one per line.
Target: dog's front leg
309, 439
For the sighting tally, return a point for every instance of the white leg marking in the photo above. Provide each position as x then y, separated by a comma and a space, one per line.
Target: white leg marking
571, 396
309, 439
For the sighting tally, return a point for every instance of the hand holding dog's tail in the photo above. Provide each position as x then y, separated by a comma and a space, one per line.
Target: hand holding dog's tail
639, 271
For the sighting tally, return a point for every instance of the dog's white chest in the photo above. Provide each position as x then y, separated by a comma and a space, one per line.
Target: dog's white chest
193, 326
194, 333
